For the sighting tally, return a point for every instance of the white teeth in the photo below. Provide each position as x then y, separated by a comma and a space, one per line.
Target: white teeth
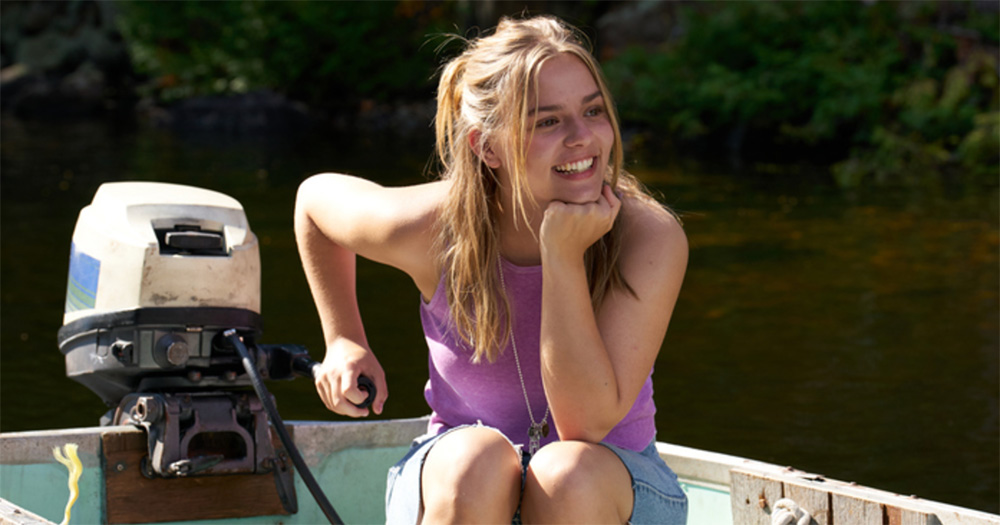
575, 167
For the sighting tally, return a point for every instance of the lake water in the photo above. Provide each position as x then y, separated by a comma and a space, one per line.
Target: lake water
852, 333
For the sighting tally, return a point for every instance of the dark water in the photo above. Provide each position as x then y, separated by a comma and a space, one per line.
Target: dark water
849, 333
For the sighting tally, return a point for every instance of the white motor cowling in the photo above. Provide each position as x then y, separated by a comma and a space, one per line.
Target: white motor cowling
156, 272
150, 244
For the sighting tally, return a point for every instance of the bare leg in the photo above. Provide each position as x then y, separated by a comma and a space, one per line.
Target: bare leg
471, 475
576, 482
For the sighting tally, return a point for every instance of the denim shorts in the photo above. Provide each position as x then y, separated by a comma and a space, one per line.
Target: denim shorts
658, 497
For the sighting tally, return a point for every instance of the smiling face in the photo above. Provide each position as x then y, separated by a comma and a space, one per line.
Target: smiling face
569, 135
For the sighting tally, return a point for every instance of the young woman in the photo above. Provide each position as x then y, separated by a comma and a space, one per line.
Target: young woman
548, 277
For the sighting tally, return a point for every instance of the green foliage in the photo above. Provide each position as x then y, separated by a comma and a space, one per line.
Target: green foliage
884, 84
323, 53
932, 125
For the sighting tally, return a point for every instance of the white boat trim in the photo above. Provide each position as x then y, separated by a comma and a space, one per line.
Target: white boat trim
717, 469
15, 515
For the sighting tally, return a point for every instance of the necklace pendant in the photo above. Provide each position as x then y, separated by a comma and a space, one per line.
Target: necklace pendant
545, 429
535, 434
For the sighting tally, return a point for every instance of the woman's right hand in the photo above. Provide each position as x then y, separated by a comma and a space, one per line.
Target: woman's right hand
337, 378
337, 219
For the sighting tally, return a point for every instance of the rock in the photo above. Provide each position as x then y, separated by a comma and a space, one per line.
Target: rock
106, 51
35, 95
260, 112
86, 84
646, 23
37, 16
13, 72
402, 119
50, 52
63, 59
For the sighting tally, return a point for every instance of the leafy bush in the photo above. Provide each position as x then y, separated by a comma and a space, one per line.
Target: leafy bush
323, 53
900, 89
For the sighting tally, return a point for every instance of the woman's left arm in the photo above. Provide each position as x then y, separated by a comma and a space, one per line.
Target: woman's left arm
595, 363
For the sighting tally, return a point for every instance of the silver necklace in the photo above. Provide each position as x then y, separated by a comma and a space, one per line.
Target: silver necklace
539, 430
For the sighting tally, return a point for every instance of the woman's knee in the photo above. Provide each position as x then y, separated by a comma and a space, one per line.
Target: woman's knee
471, 474
573, 481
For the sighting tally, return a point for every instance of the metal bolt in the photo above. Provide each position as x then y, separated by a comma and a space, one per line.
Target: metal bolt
229, 375
120, 467
178, 353
194, 376
147, 409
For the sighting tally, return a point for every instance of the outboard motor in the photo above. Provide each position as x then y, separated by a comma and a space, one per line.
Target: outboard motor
157, 273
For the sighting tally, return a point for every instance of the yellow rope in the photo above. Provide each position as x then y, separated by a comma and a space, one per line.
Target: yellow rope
72, 462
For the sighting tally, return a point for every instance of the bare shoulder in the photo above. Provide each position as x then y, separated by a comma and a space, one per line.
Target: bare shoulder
650, 230
654, 245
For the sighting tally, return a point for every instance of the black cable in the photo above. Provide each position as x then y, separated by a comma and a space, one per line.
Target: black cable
279, 427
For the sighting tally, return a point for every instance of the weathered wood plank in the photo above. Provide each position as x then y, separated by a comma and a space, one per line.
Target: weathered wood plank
915, 517
699, 465
131, 497
855, 511
752, 496
812, 499
829, 502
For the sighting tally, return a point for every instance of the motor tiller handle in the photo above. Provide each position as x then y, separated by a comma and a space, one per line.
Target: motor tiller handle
306, 367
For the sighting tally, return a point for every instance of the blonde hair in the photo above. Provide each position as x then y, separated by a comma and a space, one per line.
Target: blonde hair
486, 90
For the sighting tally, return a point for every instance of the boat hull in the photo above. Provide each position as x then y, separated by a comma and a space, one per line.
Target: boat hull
350, 461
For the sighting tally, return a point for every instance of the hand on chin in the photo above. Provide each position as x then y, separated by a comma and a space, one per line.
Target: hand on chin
569, 228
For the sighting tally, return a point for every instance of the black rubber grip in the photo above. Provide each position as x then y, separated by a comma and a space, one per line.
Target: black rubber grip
367, 385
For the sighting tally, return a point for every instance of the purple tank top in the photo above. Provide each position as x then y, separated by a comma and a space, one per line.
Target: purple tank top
460, 392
